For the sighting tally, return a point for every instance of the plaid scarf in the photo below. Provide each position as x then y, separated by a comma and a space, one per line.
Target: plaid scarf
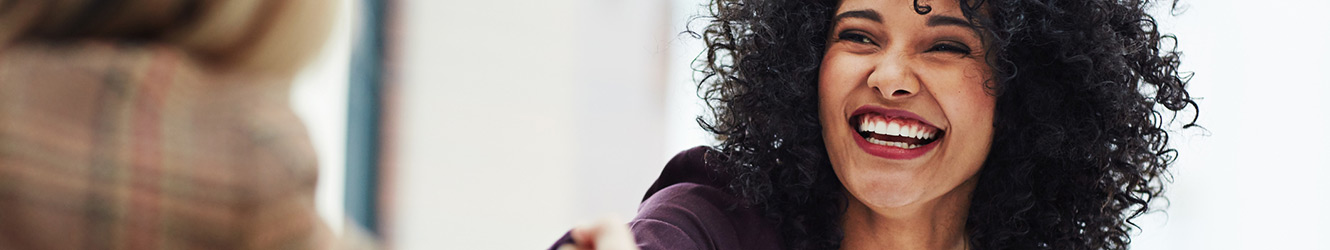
134, 146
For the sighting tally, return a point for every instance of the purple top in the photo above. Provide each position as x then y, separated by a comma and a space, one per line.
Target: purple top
688, 208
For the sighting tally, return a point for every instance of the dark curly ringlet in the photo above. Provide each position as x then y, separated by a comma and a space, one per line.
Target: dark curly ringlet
1080, 145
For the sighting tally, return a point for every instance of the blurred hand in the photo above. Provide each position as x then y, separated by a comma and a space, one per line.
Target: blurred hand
605, 234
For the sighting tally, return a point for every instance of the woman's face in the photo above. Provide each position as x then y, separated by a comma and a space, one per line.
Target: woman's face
905, 114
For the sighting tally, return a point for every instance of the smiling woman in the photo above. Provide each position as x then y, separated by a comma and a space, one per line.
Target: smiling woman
899, 124
890, 65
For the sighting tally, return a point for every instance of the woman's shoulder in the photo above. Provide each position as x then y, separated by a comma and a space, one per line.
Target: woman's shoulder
689, 166
689, 206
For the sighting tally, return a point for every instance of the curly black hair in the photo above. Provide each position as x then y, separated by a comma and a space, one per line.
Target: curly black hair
1080, 144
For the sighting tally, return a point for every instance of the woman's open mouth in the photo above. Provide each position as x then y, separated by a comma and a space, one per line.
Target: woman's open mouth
894, 134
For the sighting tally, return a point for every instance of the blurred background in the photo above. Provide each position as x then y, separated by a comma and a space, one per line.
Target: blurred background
501, 124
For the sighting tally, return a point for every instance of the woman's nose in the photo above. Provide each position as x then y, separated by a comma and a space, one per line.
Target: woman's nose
894, 79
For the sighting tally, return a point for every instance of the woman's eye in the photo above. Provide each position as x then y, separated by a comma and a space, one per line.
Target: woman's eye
854, 37
947, 47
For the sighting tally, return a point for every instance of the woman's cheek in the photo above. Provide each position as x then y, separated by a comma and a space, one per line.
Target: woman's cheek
836, 78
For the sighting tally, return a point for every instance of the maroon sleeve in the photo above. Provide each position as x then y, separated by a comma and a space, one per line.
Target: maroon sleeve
694, 216
566, 239
686, 216
687, 208
673, 219
689, 166
656, 234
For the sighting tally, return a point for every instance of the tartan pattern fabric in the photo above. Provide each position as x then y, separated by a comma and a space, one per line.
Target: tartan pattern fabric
137, 146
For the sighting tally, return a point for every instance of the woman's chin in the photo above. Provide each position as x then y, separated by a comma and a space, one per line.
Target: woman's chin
885, 194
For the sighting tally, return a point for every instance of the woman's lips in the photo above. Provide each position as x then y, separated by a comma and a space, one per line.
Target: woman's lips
893, 134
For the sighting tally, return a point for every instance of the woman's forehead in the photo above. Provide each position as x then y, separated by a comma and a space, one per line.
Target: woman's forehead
908, 7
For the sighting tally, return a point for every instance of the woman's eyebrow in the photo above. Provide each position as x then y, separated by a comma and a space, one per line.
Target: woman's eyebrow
944, 20
865, 14
933, 20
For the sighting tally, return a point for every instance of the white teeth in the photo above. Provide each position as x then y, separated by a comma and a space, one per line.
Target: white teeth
896, 128
872, 126
892, 143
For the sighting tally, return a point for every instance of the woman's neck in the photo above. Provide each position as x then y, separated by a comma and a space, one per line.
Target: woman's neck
937, 224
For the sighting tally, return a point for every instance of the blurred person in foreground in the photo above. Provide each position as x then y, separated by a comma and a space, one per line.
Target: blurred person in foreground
158, 124
899, 124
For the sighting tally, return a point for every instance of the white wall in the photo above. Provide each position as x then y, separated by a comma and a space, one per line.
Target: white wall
1257, 181
319, 97
682, 103
521, 118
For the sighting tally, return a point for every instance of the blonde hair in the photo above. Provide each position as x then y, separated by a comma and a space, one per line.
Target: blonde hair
262, 36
